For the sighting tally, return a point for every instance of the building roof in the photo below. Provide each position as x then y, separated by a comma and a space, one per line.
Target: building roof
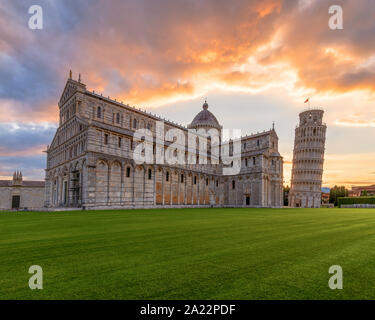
25, 183
205, 119
368, 188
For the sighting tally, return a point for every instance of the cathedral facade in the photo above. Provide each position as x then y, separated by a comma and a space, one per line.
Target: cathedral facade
90, 162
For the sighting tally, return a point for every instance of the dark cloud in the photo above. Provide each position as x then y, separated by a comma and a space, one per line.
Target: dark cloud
21, 148
21, 137
31, 166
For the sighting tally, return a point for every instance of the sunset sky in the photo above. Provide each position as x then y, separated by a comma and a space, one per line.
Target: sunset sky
255, 61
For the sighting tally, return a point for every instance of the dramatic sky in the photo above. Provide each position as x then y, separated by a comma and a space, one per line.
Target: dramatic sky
256, 61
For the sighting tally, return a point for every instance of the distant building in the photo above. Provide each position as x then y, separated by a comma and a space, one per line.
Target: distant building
19, 194
308, 158
362, 191
325, 198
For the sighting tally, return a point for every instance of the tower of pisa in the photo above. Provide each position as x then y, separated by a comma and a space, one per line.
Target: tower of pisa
308, 158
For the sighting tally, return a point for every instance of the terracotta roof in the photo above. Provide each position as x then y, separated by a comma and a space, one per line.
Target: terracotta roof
25, 183
4, 183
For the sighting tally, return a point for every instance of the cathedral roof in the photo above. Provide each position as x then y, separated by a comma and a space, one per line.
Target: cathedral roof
205, 119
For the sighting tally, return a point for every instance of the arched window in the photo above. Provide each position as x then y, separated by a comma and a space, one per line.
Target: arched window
128, 172
99, 112
167, 176
182, 178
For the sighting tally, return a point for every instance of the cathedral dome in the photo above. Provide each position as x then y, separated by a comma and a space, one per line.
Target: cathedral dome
204, 119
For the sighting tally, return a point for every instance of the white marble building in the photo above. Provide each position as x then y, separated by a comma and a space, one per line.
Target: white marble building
308, 159
90, 162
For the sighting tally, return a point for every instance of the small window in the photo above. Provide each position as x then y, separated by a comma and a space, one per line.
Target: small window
217, 183
206, 181
258, 143
233, 184
244, 145
106, 139
135, 123
182, 178
128, 172
167, 176
254, 161
117, 118
119, 142
195, 179
149, 174
245, 162
99, 113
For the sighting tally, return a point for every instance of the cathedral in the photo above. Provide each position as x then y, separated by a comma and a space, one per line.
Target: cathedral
91, 165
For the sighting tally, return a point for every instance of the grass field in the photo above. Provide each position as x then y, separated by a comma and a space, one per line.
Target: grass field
189, 254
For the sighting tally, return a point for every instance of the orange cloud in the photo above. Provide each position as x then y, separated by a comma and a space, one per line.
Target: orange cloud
12, 110
31, 151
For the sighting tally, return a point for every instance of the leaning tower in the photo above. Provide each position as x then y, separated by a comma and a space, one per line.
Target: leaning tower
308, 158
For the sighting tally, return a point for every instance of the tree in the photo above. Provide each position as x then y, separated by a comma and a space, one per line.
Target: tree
336, 192
286, 195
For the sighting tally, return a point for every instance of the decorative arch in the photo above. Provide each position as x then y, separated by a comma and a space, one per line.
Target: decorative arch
115, 183
102, 182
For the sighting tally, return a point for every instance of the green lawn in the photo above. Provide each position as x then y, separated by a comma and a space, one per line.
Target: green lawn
189, 254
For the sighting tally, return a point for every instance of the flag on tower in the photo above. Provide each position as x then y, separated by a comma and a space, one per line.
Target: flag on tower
307, 100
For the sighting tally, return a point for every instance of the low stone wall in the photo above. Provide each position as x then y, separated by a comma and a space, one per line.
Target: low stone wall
359, 205
144, 207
